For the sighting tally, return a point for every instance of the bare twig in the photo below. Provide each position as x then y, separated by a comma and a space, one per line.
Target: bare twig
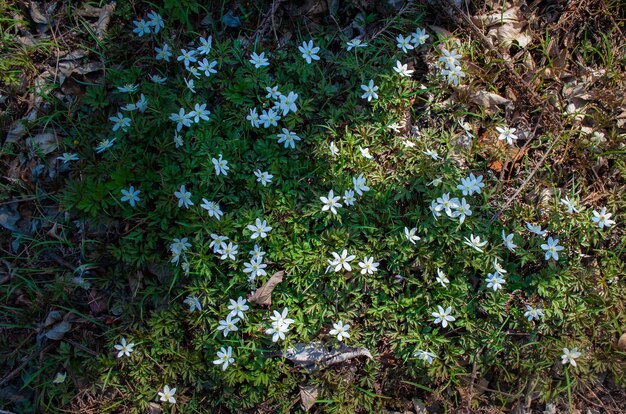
526, 181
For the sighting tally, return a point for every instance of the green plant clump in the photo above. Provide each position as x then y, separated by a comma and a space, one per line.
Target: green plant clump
301, 162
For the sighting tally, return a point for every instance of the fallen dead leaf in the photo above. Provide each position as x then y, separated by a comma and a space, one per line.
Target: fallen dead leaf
621, 343
97, 302
308, 395
263, 295
315, 356
45, 142
104, 18
487, 100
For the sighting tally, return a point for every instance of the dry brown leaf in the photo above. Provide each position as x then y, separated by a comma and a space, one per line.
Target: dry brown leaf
263, 295
103, 20
308, 395
487, 100
621, 344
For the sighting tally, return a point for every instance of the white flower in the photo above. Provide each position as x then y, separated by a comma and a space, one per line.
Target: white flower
255, 267
602, 218
277, 331
419, 37
123, 348
184, 197
280, 325
163, 53
200, 112
334, 151
120, 122
359, 184
435, 209
253, 117
447, 203
436, 182
192, 88
212, 208
269, 118
207, 67
228, 251
535, 229
281, 318
340, 331
425, 356
570, 356
443, 317
131, 195
205, 45
402, 70
288, 103
128, 88
158, 79
365, 152
432, 154
272, 93
348, 198
552, 248
141, 27
257, 253
368, 266
259, 229
156, 21
193, 302
370, 91
411, 234
308, 51
224, 357
462, 210
569, 204
495, 281
259, 60
533, 313
508, 241
471, 184
181, 119
288, 138
341, 261
450, 58
506, 133
475, 243
404, 43
263, 177
330, 202
167, 395
453, 75
180, 245
354, 44
238, 307
221, 165
499, 269
59, 378
67, 157
142, 104
195, 73
217, 242
187, 57
441, 278
228, 325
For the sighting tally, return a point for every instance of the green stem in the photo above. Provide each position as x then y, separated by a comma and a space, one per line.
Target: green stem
569, 388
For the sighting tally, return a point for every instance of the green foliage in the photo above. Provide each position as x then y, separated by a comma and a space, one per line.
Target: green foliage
390, 311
